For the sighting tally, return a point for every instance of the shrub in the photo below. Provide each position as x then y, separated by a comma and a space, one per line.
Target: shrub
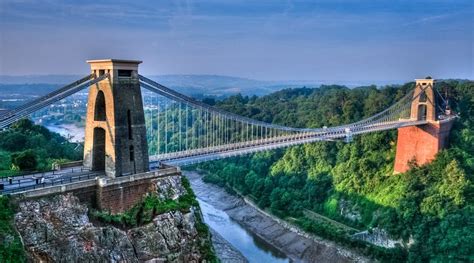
25, 160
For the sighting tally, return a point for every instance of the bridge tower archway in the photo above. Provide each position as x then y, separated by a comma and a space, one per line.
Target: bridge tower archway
115, 121
423, 105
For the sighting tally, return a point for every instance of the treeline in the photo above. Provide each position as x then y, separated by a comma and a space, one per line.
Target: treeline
354, 183
28, 147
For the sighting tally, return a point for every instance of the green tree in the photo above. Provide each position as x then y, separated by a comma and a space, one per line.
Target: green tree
25, 160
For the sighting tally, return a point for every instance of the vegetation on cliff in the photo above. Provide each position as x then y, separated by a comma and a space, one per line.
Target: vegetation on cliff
432, 204
11, 248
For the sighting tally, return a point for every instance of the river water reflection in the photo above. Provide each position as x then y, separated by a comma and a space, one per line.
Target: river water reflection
251, 246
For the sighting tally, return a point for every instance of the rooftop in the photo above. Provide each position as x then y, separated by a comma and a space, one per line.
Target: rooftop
114, 61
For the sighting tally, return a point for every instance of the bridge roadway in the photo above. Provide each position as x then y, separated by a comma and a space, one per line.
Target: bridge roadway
78, 173
44, 179
26, 182
236, 149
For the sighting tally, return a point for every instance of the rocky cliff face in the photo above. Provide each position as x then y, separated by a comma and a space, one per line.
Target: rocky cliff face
381, 238
58, 229
375, 236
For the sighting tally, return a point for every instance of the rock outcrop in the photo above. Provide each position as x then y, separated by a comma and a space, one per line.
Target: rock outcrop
58, 229
381, 238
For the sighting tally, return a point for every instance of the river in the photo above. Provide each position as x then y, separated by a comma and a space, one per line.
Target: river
70, 131
250, 246
257, 235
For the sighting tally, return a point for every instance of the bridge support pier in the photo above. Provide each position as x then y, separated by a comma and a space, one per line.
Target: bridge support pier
420, 144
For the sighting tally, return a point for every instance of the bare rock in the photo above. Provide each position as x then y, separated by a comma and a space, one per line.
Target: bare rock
169, 187
58, 229
168, 237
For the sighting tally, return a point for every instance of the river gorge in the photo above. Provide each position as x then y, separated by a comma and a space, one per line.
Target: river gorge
258, 236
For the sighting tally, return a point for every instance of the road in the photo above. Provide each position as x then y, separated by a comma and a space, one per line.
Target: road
43, 179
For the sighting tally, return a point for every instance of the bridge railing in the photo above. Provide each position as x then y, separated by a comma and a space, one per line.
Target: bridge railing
58, 181
32, 174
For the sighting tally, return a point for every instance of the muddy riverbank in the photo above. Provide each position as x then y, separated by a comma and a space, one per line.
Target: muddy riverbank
225, 251
294, 244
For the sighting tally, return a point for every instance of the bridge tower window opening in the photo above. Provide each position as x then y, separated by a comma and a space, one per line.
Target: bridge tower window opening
122, 73
101, 72
129, 125
98, 153
100, 110
423, 97
132, 153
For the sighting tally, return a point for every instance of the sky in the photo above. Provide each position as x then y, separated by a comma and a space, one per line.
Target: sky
374, 40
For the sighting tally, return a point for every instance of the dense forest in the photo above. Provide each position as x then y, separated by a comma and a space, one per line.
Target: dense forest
430, 207
27, 147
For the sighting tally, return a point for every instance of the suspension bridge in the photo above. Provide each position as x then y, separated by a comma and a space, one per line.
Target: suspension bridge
125, 137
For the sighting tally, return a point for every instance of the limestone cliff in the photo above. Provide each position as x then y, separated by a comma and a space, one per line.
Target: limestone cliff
61, 229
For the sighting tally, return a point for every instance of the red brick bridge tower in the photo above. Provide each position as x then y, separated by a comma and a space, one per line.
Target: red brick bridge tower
420, 144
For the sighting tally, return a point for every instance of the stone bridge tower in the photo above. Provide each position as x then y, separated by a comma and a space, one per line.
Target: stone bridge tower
420, 144
423, 106
115, 133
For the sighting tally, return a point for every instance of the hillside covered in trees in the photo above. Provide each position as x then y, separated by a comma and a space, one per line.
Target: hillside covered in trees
430, 207
26, 147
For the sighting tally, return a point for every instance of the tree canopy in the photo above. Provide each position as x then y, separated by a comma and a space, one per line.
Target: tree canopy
25, 146
354, 183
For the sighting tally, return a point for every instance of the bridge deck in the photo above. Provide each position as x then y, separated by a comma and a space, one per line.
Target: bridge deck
41, 180
225, 151
44, 179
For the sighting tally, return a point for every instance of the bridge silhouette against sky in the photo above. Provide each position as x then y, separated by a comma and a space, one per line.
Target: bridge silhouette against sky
122, 138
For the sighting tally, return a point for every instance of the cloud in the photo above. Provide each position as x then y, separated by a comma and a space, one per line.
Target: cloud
431, 19
259, 39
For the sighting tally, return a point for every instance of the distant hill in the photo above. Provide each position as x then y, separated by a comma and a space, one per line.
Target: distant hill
222, 86
210, 85
26, 89
36, 79
207, 85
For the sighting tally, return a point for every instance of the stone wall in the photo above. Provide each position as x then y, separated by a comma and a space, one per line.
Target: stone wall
119, 194
120, 197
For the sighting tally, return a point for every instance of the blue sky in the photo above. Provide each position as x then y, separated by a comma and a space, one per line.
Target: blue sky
372, 40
